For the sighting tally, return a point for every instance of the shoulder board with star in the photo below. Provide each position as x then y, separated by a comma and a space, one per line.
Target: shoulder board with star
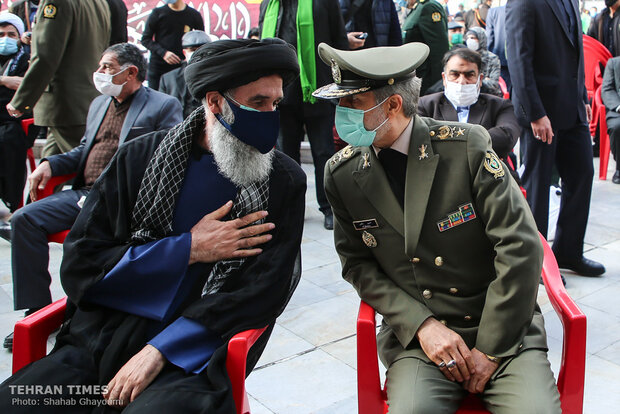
342, 156
451, 132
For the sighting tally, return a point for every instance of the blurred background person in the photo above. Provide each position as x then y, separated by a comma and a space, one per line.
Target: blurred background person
13, 142
496, 39
173, 82
67, 42
611, 99
455, 34
427, 23
375, 19
476, 40
604, 27
118, 21
162, 35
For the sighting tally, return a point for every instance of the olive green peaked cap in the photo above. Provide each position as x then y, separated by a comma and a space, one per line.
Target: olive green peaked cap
357, 71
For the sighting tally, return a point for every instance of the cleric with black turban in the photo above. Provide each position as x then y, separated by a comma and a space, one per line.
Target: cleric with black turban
189, 236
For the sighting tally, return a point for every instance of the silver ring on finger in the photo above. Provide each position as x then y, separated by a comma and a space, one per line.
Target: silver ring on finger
451, 364
441, 364
537, 137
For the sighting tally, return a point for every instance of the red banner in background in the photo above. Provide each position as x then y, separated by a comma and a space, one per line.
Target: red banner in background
224, 19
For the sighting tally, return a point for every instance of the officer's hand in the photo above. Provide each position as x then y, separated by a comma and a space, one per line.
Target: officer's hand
11, 82
39, 178
542, 129
442, 345
214, 240
484, 369
171, 58
354, 42
12, 111
134, 377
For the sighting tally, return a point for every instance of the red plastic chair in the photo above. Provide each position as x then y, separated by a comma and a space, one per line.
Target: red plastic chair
595, 54
49, 190
372, 399
31, 164
599, 120
30, 344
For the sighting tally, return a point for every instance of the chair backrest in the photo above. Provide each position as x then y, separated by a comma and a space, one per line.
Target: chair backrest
504, 88
595, 54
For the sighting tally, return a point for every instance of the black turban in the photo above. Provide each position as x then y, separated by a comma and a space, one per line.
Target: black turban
227, 64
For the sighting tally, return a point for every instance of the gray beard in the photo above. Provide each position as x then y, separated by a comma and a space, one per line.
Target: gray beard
239, 162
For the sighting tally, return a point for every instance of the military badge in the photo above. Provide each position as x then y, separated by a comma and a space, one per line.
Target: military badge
460, 132
49, 11
368, 239
445, 132
366, 162
464, 214
365, 224
336, 72
346, 152
423, 153
436, 17
493, 165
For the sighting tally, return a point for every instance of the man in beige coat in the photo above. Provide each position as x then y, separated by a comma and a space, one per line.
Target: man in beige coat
67, 42
435, 235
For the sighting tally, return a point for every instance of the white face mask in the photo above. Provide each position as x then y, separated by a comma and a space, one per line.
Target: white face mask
473, 44
462, 95
188, 56
103, 83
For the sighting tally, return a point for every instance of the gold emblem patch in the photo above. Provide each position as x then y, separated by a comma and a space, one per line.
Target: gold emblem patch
436, 17
336, 72
445, 132
493, 165
368, 239
49, 12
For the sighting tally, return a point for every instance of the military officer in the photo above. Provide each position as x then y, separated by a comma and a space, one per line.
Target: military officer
427, 23
67, 42
434, 234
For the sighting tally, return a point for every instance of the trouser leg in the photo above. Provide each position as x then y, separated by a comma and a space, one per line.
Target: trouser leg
61, 139
321, 137
525, 384
417, 387
574, 162
538, 159
291, 131
29, 249
613, 129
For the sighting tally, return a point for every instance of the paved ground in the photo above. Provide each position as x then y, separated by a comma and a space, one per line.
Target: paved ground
309, 364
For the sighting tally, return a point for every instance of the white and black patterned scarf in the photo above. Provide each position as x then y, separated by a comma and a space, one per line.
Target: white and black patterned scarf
163, 179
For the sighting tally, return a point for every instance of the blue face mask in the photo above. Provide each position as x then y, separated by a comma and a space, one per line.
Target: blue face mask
350, 126
8, 46
170, 1
255, 128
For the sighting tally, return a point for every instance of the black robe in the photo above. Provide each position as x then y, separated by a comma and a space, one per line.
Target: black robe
96, 341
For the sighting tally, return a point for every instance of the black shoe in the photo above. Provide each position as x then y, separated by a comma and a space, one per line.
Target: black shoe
5, 231
561, 276
328, 221
616, 178
582, 266
8, 342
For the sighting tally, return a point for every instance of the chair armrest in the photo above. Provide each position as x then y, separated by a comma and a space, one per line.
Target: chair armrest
31, 333
572, 368
53, 183
26, 124
370, 396
236, 360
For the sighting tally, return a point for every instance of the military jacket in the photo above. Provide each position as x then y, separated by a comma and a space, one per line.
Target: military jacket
67, 43
464, 250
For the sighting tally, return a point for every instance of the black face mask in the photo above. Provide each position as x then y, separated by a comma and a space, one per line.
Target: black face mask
610, 3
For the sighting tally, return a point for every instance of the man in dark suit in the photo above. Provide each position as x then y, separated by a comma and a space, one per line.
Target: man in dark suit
611, 99
300, 112
462, 101
545, 59
125, 111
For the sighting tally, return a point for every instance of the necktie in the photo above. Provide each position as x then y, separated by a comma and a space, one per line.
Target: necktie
460, 109
395, 165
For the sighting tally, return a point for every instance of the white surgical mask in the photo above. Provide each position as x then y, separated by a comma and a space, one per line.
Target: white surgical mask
462, 95
472, 44
103, 83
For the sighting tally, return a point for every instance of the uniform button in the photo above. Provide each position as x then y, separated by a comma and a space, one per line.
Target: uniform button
520, 346
427, 294
467, 318
415, 260
438, 261
454, 290
444, 322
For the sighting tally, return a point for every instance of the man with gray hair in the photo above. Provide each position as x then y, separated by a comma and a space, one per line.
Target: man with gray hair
436, 237
125, 110
189, 237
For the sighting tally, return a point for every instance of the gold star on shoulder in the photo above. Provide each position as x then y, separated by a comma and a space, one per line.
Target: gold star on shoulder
460, 132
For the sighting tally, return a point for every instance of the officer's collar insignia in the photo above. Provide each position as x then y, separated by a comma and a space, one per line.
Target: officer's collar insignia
493, 165
423, 153
336, 72
464, 214
368, 239
366, 162
365, 224
343, 154
49, 11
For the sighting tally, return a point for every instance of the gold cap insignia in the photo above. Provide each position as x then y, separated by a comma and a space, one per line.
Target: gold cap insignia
493, 165
336, 75
368, 239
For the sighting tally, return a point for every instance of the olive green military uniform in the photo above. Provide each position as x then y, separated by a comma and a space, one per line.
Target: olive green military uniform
464, 250
427, 23
67, 42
